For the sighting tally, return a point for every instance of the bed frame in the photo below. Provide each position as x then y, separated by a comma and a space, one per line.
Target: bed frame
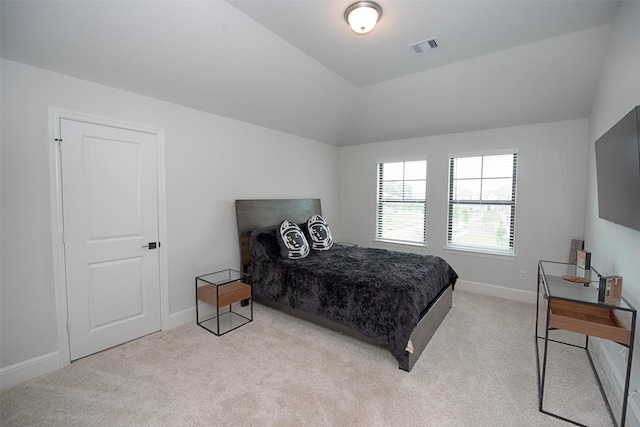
263, 213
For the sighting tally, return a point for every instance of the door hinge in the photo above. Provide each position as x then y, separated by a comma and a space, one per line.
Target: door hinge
68, 327
59, 141
64, 240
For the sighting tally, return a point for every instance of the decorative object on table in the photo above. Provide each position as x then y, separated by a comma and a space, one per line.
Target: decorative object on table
576, 279
610, 289
583, 259
576, 244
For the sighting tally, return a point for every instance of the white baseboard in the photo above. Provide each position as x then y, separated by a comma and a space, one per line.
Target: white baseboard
607, 359
497, 291
189, 315
616, 378
28, 369
181, 317
32, 368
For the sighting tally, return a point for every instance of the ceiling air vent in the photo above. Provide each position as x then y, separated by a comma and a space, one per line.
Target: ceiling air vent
424, 46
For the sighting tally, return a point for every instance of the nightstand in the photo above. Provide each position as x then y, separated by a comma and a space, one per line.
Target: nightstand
223, 290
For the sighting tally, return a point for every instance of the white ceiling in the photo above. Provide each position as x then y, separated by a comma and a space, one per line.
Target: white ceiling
465, 29
295, 66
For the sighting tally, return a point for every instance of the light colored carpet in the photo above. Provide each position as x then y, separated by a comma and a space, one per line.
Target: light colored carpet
478, 370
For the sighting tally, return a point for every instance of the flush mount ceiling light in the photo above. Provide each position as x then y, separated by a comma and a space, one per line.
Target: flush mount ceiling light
362, 16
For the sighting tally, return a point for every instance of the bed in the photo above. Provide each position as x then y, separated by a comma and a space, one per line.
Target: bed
392, 299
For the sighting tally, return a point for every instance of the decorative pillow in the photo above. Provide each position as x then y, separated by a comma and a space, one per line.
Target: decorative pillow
263, 243
293, 244
319, 233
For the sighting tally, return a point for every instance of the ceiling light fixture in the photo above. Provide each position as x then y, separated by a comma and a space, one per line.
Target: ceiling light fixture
362, 16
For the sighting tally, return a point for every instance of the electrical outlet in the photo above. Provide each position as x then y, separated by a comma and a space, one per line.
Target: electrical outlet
523, 275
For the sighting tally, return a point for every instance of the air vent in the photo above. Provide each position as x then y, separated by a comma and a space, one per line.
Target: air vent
424, 46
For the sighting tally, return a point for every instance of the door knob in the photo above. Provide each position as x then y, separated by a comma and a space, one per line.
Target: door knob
152, 245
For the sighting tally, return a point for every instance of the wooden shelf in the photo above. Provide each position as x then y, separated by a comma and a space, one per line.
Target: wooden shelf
588, 320
229, 293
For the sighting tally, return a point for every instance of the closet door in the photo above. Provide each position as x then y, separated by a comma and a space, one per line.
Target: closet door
110, 205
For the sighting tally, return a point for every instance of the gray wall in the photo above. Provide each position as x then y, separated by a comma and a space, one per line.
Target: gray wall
551, 186
207, 167
210, 162
616, 249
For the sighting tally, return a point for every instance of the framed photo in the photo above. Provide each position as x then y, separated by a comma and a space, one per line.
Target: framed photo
573, 250
583, 259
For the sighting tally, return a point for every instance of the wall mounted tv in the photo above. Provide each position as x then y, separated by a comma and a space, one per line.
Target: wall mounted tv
618, 172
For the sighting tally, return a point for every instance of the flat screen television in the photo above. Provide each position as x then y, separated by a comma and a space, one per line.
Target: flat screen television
618, 172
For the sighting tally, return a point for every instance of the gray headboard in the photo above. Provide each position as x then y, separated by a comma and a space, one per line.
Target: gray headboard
263, 213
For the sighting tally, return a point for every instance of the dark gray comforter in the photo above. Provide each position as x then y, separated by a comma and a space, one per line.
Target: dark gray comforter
377, 292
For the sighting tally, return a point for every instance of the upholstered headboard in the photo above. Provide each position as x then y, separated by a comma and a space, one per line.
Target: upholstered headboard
263, 213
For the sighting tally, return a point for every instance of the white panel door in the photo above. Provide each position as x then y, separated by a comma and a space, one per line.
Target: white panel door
110, 205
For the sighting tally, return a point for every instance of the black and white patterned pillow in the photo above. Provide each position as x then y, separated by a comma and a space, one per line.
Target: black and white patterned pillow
319, 233
293, 244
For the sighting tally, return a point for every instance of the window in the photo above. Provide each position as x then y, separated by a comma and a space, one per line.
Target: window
482, 203
402, 201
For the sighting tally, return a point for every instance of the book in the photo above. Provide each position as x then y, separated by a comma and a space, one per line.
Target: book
610, 289
583, 259
573, 249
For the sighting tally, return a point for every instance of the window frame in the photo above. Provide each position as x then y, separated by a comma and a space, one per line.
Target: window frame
380, 202
476, 248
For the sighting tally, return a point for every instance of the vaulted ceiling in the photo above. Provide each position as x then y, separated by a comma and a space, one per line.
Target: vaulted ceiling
295, 66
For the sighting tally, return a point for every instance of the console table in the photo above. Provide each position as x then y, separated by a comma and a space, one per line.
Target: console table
574, 307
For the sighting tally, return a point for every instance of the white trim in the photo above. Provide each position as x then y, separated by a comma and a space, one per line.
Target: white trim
162, 231
28, 369
495, 152
55, 185
497, 291
400, 243
616, 379
480, 253
514, 204
59, 272
606, 358
182, 317
377, 208
188, 315
415, 158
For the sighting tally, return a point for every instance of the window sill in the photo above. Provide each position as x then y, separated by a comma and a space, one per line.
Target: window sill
400, 244
478, 253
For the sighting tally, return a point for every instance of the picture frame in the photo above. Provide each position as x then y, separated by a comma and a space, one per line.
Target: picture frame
576, 244
583, 259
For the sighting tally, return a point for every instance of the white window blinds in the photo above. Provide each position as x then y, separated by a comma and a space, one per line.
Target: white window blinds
402, 200
482, 203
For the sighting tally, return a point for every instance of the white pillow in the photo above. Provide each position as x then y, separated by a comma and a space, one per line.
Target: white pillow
293, 244
319, 233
